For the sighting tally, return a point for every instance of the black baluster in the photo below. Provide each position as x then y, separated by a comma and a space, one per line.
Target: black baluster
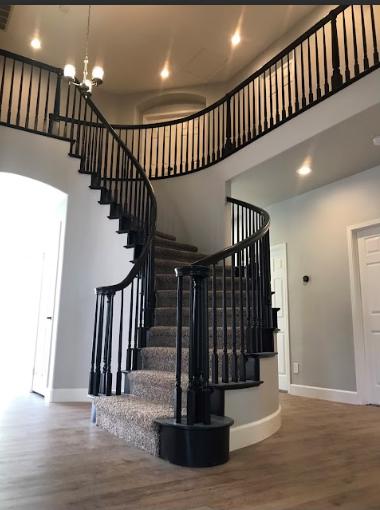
356, 63
336, 78
11, 94
2, 84
374, 37
20, 95
99, 347
91, 383
36, 118
242, 367
290, 109
325, 71
270, 97
178, 367
265, 105
311, 97
319, 93
215, 357
277, 116
225, 375
46, 109
228, 146
234, 357
303, 99
364, 37
57, 102
198, 393
130, 357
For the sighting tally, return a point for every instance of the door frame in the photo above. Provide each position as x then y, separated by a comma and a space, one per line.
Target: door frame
282, 247
363, 383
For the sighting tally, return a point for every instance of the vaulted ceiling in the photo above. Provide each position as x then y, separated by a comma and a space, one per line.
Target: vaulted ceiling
132, 42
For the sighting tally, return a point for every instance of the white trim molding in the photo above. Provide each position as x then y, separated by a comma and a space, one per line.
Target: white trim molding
362, 376
333, 395
67, 395
254, 432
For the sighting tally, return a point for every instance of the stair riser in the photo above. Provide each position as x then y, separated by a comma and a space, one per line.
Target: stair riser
169, 282
147, 440
163, 361
156, 339
168, 316
169, 298
162, 394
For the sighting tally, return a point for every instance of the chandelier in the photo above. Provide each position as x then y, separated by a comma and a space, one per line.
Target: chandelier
97, 73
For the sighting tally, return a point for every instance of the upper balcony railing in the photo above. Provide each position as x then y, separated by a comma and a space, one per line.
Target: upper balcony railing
339, 49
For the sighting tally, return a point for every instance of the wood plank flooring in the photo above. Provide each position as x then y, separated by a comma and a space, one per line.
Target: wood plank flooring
326, 456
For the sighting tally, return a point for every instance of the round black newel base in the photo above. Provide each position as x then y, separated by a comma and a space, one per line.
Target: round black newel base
195, 445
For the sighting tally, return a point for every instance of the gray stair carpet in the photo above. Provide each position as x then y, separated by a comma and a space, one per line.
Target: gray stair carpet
151, 390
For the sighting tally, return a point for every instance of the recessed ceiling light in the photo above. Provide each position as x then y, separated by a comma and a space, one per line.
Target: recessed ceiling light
376, 140
165, 73
235, 39
35, 43
304, 170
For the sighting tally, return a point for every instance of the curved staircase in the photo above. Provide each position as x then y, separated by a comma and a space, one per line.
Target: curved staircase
182, 328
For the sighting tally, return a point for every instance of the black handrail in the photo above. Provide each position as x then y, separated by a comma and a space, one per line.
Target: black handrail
242, 321
306, 72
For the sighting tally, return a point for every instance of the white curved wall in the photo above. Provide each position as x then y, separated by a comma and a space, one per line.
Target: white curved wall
256, 411
93, 252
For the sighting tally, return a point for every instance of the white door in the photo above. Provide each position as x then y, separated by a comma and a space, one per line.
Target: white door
369, 265
48, 288
280, 300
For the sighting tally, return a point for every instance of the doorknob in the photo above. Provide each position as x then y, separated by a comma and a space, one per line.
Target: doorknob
50, 318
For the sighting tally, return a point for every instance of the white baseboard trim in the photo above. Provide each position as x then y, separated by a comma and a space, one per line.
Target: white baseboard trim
67, 395
254, 432
343, 396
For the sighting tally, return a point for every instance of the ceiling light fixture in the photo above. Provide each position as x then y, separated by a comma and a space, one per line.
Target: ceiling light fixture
376, 140
97, 73
235, 39
165, 73
304, 170
35, 43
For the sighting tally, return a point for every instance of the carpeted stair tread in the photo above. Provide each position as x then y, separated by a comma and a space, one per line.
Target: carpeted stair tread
175, 245
163, 235
170, 254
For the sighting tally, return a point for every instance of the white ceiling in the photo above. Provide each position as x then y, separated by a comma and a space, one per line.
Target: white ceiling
132, 42
338, 152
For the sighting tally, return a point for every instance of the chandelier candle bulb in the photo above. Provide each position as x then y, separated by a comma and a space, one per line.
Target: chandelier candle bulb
98, 75
69, 71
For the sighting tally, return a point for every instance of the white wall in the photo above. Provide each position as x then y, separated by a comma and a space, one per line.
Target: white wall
93, 252
314, 226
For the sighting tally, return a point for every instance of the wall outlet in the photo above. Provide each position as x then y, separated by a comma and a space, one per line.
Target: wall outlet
296, 367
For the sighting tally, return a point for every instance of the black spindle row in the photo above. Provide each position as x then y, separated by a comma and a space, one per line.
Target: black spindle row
231, 317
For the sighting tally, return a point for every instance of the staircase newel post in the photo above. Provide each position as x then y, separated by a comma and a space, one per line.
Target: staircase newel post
336, 78
198, 394
228, 145
57, 102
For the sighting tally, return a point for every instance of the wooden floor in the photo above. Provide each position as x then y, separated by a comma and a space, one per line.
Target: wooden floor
326, 456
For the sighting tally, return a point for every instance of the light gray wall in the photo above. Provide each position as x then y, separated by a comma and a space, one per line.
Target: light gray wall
314, 227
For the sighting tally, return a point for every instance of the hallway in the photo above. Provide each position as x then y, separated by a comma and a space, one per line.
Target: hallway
325, 456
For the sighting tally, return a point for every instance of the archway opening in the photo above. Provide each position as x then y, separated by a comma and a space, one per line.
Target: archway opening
32, 219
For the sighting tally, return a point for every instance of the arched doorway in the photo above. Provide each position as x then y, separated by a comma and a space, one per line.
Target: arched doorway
32, 220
